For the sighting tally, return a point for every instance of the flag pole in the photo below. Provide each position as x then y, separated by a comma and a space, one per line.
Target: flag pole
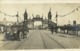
17, 18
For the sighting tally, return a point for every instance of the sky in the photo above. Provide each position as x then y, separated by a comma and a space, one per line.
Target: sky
39, 1
41, 9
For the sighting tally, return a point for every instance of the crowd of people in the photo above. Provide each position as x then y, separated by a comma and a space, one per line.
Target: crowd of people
65, 29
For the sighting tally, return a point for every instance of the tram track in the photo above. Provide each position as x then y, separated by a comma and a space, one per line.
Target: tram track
54, 40
29, 43
45, 47
46, 34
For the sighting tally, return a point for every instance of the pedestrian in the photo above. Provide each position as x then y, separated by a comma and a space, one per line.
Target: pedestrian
52, 29
56, 29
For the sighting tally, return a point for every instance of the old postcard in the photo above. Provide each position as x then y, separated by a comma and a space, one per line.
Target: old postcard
41, 25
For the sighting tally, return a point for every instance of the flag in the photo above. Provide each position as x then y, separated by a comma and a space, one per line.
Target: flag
17, 15
59, 15
78, 6
73, 10
56, 15
0, 11
5, 14
13, 15
33, 15
70, 12
4, 19
42, 16
77, 9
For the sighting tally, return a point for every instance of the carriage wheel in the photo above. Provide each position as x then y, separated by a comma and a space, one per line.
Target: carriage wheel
25, 34
20, 36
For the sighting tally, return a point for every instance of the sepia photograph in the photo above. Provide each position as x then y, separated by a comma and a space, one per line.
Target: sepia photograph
25, 26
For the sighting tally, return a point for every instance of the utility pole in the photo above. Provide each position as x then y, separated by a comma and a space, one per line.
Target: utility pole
56, 28
5, 23
56, 18
33, 20
42, 21
69, 22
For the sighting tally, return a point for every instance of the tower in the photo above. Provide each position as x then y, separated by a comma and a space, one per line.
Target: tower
49, 16
25, 16
25, 19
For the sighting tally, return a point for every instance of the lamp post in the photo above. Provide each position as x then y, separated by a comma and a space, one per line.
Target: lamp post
56, 28
5, 23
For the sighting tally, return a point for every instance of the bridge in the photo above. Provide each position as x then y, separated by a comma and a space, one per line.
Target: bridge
65, 37
43, 21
